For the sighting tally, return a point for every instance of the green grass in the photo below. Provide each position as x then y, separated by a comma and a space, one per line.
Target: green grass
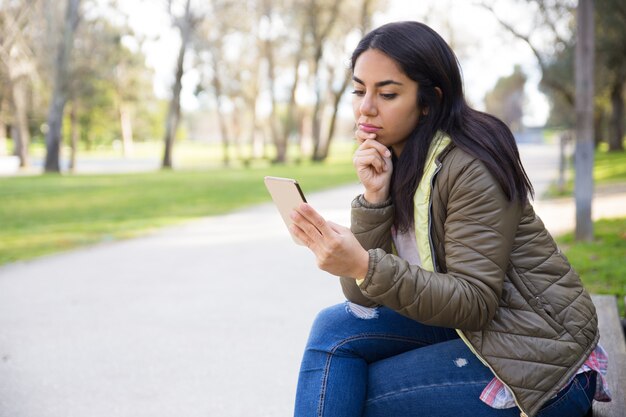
608, 168
601, 263
50, 213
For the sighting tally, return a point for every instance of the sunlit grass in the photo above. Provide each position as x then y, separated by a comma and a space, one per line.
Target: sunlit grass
50, 213
609, 166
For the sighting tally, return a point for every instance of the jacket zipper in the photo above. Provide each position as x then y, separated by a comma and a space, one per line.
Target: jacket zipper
469, 345
460, 333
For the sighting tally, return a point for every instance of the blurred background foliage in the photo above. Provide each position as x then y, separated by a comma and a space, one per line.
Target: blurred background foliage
272, 74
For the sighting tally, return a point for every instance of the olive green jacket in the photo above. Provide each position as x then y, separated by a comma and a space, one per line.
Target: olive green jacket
499, 279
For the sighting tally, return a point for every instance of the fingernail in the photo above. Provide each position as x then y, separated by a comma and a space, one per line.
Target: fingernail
387, 153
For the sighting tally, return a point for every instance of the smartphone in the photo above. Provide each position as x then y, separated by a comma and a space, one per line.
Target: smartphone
287, 195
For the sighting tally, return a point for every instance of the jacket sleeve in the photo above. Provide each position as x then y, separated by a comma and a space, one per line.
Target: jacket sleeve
480, 225
371, 225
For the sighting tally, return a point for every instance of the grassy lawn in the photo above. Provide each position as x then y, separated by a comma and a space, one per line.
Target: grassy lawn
50, 213
601, 263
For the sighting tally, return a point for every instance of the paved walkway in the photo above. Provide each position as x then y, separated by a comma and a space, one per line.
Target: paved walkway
205, 319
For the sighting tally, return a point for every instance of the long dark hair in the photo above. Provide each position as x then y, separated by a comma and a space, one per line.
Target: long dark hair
427, 59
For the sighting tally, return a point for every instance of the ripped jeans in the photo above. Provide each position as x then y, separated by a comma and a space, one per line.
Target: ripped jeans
378, 363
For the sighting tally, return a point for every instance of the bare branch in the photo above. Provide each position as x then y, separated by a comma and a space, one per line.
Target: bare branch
541, 60
516, 33
548, 21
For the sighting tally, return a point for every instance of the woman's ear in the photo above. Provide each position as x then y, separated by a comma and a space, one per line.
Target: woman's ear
439, 95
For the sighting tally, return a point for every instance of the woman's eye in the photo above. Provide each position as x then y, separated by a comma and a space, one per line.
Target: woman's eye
359, 93
389, 96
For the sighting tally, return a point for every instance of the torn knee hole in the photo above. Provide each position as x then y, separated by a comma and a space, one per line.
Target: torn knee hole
361, 312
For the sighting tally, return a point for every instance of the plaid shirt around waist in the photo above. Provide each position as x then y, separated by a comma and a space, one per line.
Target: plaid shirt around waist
497, 395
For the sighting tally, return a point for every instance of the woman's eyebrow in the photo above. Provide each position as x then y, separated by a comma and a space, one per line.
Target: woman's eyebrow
378, 84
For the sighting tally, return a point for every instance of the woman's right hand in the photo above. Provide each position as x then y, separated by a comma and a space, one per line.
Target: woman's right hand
372, 161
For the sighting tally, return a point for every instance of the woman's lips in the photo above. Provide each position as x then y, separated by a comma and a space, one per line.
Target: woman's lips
369, 128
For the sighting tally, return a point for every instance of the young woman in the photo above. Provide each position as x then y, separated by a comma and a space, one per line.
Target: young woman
459, 301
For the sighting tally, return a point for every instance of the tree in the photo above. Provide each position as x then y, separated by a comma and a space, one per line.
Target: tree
185, 24
611, 52
554, 22
561, 67
322, 16
290, 127
551, 26
225, 27
583, 161
341, 72
506, 99
18, 69
60, 89
550, 17
245, 88
109, 81
130, 77
267, 37
3, 126
90, 89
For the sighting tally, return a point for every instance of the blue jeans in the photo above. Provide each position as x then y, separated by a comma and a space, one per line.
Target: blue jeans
387, 365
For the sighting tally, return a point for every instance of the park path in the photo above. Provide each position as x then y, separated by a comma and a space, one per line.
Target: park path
205, 319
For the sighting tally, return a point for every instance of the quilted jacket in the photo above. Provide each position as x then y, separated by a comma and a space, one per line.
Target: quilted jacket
499, 279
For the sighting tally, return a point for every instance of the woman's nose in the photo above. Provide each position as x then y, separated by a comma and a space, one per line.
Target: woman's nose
368, 106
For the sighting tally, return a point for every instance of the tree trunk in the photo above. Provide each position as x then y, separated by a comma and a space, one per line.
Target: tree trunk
583, 190
316, 117
290, 120
3, 136
616, 134
236, 117
221, 118
4, 149
126, 125
598, 127
256, 142
74, 132
320, 33
322, 152
225, 138
564, 141
173, 112
324, 148
59, 95
22, 138
277, 138
15, 135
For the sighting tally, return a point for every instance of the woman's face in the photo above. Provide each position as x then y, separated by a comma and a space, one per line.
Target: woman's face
385, 99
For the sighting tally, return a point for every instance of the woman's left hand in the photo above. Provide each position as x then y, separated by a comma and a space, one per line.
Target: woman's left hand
337, 250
